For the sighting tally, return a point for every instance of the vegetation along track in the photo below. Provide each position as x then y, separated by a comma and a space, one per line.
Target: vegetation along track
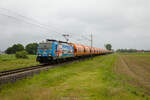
20, 73
13, 71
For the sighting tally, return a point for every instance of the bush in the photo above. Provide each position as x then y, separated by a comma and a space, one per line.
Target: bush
31, 48
21, 54
15, 48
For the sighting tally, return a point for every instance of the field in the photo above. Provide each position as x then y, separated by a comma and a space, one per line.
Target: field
11, 62
137, 68
100, 78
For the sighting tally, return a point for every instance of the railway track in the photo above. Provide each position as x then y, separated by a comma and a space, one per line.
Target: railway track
13, 71
20, 73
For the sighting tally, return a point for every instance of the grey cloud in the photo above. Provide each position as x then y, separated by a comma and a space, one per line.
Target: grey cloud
124, 23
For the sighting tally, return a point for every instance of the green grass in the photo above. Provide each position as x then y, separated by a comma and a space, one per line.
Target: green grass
11, 62
91, 79
136, 54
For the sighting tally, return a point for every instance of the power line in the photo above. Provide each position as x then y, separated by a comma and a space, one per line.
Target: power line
27, 18
19, 19
38, 24
66, 36
42, 30
91, 39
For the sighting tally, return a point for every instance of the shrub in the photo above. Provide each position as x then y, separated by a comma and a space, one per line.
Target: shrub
21, 54
31, 48
15, 48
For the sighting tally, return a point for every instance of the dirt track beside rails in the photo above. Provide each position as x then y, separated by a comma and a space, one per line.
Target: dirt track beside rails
137, 68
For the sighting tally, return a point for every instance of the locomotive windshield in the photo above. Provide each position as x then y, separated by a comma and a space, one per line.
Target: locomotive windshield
45, 46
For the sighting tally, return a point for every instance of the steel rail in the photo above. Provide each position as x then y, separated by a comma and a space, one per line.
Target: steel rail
13, 71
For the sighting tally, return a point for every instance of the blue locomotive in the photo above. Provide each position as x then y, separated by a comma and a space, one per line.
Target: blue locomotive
53, 50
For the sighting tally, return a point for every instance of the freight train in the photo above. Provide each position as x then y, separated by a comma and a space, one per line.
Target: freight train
54, 51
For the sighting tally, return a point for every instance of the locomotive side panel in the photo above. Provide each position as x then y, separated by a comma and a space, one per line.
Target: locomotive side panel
65, 50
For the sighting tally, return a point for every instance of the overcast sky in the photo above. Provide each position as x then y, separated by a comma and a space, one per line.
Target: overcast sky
123, 23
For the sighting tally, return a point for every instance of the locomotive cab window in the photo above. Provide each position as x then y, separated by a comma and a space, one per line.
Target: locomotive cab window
45, 46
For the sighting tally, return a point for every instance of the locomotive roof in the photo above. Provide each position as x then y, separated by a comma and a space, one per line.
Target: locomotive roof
50, 40
55, 40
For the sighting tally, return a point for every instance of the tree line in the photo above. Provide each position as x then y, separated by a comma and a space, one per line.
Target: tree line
126, 50
30, 48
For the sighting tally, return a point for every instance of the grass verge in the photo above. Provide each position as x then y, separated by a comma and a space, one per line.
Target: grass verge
11, 62
91, 79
